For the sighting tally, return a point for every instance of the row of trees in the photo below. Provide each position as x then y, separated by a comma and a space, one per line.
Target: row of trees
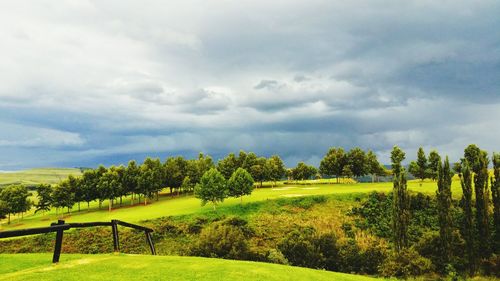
425, 167
481, 242
354, 163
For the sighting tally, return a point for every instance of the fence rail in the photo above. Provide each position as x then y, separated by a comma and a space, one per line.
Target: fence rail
61, 226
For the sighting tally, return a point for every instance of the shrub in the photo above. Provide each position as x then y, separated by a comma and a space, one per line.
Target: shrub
405, 264
275, 256
305, 248
222, 240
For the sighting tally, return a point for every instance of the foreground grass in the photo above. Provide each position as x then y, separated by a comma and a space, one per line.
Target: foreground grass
138, 267
181, 205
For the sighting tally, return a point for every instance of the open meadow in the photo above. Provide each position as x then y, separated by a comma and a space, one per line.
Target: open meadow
172, 205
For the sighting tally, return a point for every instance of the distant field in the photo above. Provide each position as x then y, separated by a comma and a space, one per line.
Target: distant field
37, 176
137, 267
179, 205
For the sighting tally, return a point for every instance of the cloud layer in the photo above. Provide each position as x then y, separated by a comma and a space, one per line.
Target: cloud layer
89, 82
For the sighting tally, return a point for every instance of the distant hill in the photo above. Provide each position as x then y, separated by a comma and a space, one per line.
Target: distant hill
32, 177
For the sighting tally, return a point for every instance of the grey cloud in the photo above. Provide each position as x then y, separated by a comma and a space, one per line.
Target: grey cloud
111, 80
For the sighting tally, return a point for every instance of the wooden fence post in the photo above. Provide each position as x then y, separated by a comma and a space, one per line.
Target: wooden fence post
150, 242
116, 238
58, 244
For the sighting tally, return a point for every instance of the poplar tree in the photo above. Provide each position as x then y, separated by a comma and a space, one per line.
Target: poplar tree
443, 195
495, 194
434, 159
401, 201
467, 226
478, 160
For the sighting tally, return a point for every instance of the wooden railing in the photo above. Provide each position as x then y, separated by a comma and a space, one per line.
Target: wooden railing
61, 226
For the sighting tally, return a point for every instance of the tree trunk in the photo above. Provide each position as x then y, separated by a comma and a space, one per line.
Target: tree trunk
132, 199
120, 201
110, 206
88, 206
9, 219
100, 204
145, 200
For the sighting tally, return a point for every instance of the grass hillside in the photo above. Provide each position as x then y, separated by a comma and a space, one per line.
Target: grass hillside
181, 205
137, 267
37, 176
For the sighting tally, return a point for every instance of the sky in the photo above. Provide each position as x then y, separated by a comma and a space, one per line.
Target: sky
84, 83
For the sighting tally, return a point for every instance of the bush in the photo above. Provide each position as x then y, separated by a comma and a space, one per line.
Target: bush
275, 256
429, 246
305, 248
222, 240
405, 264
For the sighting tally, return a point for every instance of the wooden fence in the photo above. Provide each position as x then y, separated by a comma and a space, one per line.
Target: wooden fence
61, 226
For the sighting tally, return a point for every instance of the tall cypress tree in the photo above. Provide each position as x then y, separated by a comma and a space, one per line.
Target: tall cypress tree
467, 226
495, 194
482, 200
401, 201
443, 195
421, 164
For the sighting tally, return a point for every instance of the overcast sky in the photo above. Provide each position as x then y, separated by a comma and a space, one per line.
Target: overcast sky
90, 82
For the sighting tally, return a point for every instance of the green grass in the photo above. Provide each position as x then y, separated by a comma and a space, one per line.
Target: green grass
37, 176
137, 267
181, 205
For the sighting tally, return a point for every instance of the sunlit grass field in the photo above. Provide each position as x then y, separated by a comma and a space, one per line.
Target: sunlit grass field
137, 267
187, 204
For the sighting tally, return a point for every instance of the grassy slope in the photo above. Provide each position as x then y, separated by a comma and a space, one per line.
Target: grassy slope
137, 267
169, 206
37, 176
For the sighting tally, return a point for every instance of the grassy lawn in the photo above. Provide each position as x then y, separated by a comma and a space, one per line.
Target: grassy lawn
137, 267
37, 176
180, 205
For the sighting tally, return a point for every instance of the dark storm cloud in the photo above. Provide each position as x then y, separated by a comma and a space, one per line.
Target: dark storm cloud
95, 82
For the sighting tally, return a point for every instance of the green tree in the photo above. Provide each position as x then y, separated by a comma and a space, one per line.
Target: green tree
276, 168
75, 187
333, 163
15, 198
419, 169
482, 200
443, 196
228, 165
212, 188
401, 201
495, 194
467, 222
44, 195
175, 171
62, 196
356, 159
434, 160
90, 178
108, 186
4, 209
130, 179
374, 167
347, 172
303, 171
259, 170
240, 183
150, 180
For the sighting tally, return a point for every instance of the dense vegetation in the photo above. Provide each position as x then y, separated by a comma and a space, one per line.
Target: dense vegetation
389, 234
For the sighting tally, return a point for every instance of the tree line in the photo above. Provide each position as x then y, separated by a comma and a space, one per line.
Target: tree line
479, 228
